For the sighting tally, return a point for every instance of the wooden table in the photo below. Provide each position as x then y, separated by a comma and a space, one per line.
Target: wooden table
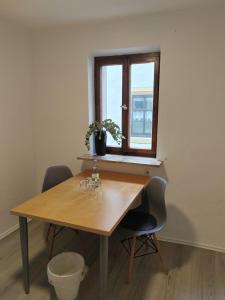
69, 205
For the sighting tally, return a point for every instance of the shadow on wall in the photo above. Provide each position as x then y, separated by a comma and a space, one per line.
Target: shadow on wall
159, 171
178, 230
127, 168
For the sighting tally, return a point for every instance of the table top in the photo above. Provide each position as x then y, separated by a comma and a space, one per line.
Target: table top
98, 211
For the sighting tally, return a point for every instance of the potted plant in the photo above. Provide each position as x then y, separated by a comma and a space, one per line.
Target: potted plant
100, 129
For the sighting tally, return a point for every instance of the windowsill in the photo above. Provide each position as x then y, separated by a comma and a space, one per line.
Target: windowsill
123, 159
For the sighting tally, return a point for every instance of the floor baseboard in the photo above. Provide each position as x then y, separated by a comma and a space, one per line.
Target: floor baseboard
193, 244
161, 238
9, 231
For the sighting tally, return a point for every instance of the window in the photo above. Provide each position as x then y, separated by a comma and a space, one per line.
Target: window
126, 91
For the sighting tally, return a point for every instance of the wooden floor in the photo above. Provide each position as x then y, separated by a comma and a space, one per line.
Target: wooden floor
194, 274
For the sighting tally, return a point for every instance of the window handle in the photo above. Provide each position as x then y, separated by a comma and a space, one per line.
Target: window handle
124, 107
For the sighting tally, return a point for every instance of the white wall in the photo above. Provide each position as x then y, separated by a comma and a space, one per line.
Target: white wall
191, 107
17, 181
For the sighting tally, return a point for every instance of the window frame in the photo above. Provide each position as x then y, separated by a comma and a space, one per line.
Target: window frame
126, 61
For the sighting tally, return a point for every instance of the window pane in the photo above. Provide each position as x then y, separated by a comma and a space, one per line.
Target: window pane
149, 102
111, 97
148, 123
138, 123
138, 102
141, 104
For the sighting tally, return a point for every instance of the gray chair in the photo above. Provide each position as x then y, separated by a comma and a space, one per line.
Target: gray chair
140, 225
54, 175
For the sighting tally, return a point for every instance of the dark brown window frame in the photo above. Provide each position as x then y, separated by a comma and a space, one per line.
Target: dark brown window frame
126, 61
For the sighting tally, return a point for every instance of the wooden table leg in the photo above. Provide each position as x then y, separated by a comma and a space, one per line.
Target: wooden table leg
103, 266
24, 252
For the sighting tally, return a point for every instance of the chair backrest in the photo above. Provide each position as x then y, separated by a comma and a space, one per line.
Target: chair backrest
55, 175
154, 199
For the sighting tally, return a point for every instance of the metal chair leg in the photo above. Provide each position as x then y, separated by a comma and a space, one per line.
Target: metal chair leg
48, 232
82, 242
131, 262
52, 241
156, 242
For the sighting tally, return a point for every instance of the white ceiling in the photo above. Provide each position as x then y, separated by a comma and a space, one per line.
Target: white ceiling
53, 12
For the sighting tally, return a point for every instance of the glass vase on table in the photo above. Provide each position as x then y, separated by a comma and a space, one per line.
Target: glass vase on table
91, 183
96, 182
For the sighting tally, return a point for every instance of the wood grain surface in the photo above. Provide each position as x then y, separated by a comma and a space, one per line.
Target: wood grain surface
97, 211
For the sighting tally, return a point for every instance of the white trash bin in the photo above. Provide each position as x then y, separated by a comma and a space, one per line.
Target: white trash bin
65, 272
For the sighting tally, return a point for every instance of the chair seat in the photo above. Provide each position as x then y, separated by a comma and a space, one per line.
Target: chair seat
138, 221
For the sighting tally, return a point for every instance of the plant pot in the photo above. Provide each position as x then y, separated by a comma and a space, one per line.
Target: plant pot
100, 143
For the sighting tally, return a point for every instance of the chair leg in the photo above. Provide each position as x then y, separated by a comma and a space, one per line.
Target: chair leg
52, 241
82, 241
131, 262
48, 232
156, 243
